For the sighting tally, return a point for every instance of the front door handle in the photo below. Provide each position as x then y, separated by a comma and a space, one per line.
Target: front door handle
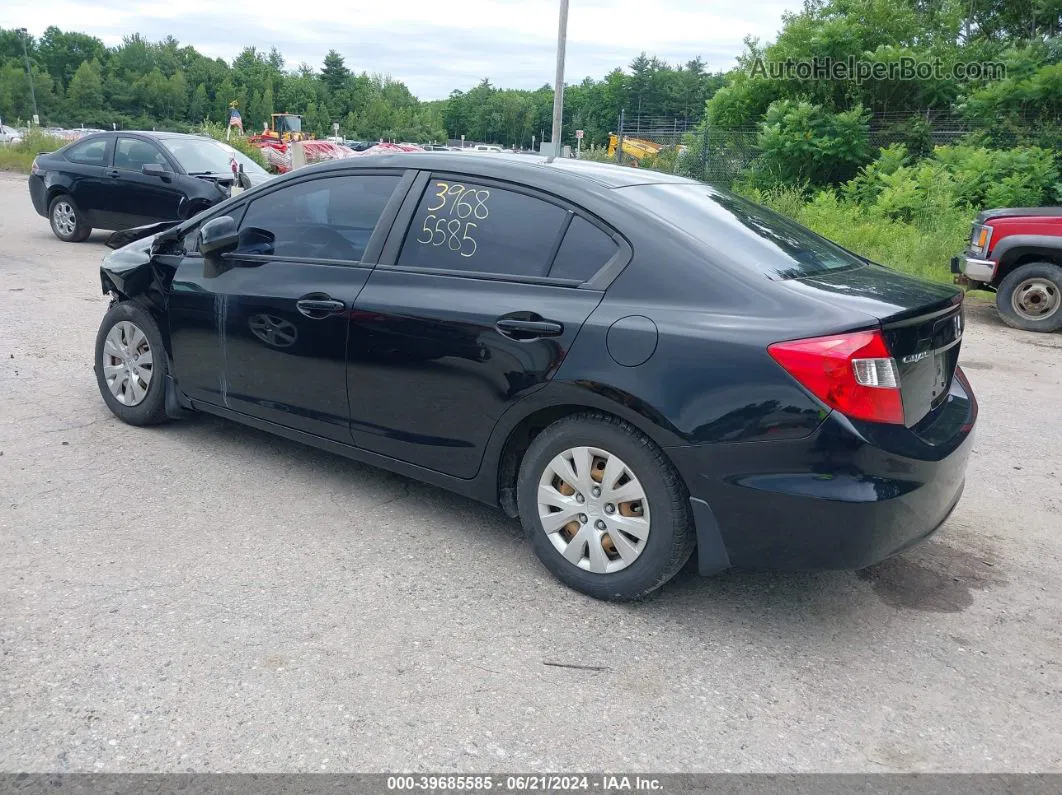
528, 329
113, 173
319, 308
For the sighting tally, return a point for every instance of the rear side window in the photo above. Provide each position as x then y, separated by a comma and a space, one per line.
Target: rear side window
583, 252
90, 153
465, 226
329, 218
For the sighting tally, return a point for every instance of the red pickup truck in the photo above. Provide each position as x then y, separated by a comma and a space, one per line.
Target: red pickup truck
1018, 253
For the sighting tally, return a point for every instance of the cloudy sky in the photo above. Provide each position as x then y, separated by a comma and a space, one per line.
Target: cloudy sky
434, 46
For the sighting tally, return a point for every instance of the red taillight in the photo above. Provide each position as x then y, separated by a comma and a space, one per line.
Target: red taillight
34, 168
852, 373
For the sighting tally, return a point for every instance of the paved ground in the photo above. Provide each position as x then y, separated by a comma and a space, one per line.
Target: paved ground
206, 597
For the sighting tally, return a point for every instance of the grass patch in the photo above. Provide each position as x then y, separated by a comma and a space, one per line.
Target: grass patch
19, 157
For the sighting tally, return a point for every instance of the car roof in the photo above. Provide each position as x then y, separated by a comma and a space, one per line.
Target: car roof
512, 166
146, 133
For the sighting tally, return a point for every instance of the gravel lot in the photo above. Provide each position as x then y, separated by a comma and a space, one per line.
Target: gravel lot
206, 597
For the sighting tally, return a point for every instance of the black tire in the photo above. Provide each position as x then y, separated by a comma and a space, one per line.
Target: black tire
65, 205
151, 409
671, 538
1042, 279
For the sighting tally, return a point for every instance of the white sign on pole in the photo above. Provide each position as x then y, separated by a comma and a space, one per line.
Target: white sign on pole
579, 135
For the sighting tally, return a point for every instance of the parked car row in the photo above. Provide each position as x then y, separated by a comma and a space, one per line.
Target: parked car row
9, 135
635, 364
118, 180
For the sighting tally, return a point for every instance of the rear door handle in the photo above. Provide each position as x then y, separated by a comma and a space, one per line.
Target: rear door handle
113, 172
319, 308
529, 329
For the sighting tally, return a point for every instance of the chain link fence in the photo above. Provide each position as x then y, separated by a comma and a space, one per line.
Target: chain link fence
723, 155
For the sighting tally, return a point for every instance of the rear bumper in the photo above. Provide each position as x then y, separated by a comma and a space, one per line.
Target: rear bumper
842, 498
976, 270
38, 195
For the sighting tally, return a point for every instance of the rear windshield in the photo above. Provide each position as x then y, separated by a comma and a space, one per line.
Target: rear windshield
746, 233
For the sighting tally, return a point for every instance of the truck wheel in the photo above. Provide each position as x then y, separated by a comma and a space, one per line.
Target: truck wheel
1030, 297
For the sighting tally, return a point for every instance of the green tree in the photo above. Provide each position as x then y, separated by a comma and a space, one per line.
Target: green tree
62, 53
197, 108
334, 73
175, 97
85, 94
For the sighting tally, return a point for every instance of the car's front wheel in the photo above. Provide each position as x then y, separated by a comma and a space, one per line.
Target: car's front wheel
1030, 297
68, 222
131, 365
604, 509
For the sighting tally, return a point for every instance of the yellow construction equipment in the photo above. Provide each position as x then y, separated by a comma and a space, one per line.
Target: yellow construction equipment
636, 148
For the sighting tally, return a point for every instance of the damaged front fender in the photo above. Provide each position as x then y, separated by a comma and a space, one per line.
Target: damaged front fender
135, 271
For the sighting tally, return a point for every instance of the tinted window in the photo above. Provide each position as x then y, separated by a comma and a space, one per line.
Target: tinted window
583, 252
330, 218
749, 234
92, 152
469, 227
133, 154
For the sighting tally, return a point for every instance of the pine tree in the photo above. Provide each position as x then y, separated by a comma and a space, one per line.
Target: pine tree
85, 94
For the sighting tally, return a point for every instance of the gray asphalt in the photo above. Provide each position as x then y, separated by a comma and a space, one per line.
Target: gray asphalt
206, 597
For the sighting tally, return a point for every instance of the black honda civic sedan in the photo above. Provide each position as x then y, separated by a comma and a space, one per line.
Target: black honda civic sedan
636, 365
119, 180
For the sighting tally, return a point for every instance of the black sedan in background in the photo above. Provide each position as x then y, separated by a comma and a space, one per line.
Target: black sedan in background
632, 363
119, 180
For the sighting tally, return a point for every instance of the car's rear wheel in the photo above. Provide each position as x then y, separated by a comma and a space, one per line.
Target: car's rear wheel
1030, 297
604, 509
131, 365
68, 222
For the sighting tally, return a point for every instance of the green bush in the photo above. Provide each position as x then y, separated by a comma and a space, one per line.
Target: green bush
800, 142
19, 157
966, 178
1021, 177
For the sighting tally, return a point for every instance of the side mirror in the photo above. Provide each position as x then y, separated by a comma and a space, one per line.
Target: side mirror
154, 170
218, 236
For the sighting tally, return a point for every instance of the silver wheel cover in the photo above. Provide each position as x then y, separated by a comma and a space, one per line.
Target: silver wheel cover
64, 218
127, 363
593, 509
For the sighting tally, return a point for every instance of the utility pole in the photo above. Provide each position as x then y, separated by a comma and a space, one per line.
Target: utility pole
24, 34
558, 86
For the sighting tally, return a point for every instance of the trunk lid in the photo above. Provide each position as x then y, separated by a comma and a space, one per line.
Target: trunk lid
922, 323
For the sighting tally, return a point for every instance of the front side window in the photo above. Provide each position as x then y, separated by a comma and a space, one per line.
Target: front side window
133, 154
90, 153
327, 218
466, 226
